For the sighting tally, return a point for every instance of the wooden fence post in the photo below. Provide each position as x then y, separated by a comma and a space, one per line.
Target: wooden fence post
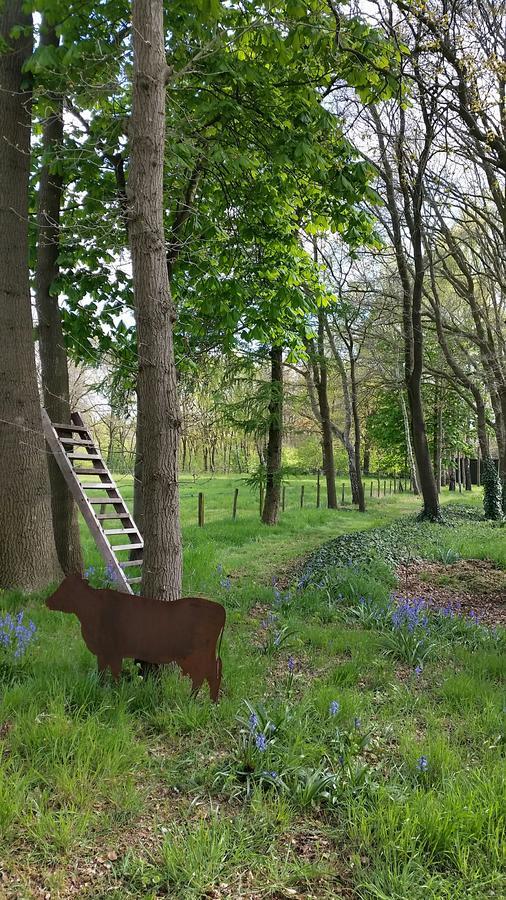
201, 509
301, 496
234, 508
318, 489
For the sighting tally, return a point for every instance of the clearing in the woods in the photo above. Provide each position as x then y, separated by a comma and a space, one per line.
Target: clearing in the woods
357, 751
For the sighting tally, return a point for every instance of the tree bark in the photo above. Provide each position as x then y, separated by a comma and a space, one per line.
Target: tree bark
356, 430
321, 383
467, 474
28, 558
159, 419
270, 511
53, 356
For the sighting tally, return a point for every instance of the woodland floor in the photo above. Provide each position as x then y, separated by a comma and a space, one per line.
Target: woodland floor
383, 776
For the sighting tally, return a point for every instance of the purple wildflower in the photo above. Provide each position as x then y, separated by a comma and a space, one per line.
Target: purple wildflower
260, 742
291, 664
253, 721
334, 707
422, 764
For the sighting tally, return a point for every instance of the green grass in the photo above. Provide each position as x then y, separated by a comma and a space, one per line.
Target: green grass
137, 791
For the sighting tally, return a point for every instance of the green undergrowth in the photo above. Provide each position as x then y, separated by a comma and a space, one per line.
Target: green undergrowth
349, 755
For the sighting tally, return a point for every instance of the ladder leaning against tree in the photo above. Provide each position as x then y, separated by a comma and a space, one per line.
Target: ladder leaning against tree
85, 472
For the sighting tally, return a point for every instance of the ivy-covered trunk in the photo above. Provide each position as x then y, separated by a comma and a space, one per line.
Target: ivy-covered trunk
28, 558
53, 356
270, 511
159, 419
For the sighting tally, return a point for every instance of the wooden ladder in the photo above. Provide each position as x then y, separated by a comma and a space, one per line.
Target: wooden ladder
85, 472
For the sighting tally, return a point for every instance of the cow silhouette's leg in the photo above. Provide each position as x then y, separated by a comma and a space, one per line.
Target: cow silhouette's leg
197, 682
214, 680
115, 667
103, 665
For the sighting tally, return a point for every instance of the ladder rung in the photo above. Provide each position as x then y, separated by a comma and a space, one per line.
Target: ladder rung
91, 471
87, 457
81, 443
98, 486
135, 580
70, 427
131, 562
120, 531
125, 515
130, 546
105, 500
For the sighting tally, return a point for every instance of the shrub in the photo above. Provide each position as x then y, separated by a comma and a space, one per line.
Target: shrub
492, 491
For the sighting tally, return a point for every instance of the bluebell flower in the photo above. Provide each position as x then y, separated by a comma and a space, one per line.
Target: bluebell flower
226, 583
357, 723
260, 742
334, 707
291, 664
253, 721
422, 764
418, 670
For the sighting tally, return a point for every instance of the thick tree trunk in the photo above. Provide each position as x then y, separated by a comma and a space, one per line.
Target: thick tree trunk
159, 419
270, 511
28, 558
451, 478
138, 502
53, 356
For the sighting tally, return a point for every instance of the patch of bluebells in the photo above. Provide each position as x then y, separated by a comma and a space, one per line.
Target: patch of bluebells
259, 737
334, 707
422, 764
282, 599
15, 634
410, 614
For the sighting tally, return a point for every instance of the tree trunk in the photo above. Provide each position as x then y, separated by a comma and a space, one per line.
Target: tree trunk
138, 501
159, 419
28, 558
467, 474
270, 511
356, 432
325, 423
428, 487
438, 434
451, 478
53, 356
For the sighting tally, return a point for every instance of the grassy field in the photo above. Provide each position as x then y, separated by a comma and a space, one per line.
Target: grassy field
348, 757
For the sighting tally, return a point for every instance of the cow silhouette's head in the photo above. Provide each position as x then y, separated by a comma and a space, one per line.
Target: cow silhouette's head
66, 597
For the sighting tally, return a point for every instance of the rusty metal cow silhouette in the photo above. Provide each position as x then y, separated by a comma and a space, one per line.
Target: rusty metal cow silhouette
115, 626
